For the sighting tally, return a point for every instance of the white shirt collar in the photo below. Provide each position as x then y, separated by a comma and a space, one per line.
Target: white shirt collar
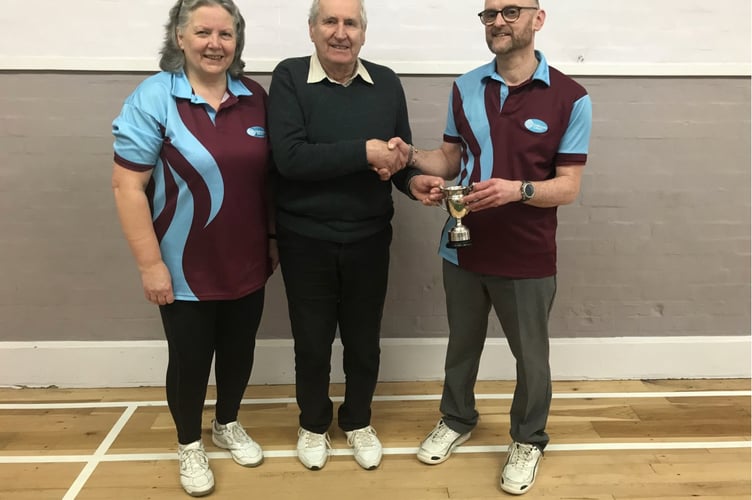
316, 73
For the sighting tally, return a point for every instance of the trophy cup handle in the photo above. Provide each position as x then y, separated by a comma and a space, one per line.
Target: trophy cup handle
442, 205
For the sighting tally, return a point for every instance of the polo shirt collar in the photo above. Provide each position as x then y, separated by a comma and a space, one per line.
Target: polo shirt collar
541, 72
316, 73
181, 87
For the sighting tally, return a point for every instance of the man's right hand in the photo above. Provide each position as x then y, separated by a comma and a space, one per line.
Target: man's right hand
384, 159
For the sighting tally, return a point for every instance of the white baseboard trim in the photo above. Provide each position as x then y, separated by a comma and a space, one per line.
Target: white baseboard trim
133, 364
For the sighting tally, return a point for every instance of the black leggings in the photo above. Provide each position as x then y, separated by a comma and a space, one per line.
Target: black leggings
195, 332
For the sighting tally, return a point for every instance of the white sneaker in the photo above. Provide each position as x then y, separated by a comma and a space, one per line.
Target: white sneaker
195, 475
367, 447
313, 449
244, 450
518, 474
440, 443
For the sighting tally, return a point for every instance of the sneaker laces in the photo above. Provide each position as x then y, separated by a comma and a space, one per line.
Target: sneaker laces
314, 440
193, 459
362, 438
521, 456
238, 434
441, 431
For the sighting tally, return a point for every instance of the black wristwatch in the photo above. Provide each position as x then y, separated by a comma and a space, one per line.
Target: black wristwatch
527, 190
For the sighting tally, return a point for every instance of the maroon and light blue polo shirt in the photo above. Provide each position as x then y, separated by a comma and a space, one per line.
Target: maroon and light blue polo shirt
207, 192
518, 133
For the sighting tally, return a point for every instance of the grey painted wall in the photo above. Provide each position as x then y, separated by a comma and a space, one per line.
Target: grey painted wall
658, 244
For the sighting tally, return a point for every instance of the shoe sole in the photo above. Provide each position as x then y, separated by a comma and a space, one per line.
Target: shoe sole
249, 464
508, 489
368, 467
428, 459
200, 493
314, 467
516, 492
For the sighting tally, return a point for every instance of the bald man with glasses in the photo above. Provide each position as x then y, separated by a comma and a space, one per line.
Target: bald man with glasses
517, 133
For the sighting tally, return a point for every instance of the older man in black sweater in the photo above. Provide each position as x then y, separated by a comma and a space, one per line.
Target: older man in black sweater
330, 116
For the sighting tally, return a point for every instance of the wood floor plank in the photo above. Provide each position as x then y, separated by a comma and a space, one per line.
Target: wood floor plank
55, 432
37, 481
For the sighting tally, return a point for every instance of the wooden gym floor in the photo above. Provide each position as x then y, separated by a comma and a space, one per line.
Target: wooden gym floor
615, 440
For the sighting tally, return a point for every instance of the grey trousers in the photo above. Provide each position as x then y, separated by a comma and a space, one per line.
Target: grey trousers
523, 307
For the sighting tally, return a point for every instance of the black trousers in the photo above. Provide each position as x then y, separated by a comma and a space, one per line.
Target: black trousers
335, 285
196, 332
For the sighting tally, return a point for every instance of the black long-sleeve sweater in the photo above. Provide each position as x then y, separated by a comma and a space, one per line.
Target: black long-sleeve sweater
318, 132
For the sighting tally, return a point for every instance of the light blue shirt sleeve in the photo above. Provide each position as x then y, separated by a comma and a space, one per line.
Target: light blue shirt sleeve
451, 127
139, 128
576, 139
138, 138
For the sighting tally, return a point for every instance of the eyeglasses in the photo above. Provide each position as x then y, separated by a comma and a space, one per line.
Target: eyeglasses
510, 14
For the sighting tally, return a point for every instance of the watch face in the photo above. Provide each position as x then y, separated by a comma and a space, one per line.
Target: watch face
529, 190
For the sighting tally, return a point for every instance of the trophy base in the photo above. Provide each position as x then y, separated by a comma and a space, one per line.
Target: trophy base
458, 244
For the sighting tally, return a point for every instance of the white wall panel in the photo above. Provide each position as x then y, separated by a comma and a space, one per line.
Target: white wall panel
582, 37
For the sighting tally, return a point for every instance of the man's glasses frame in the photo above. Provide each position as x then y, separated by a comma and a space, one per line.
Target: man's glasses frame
509, 13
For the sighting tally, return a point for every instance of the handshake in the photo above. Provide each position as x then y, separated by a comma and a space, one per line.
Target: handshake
386, 158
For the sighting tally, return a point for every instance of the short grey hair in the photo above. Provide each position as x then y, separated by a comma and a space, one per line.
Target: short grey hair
313, 14
172, 58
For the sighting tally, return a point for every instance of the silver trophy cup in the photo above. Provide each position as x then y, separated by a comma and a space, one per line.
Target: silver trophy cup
459, 235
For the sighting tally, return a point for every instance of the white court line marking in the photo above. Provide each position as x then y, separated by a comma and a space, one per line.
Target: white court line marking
406, 397
583, 395
94, 460
291, 453
44, 459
